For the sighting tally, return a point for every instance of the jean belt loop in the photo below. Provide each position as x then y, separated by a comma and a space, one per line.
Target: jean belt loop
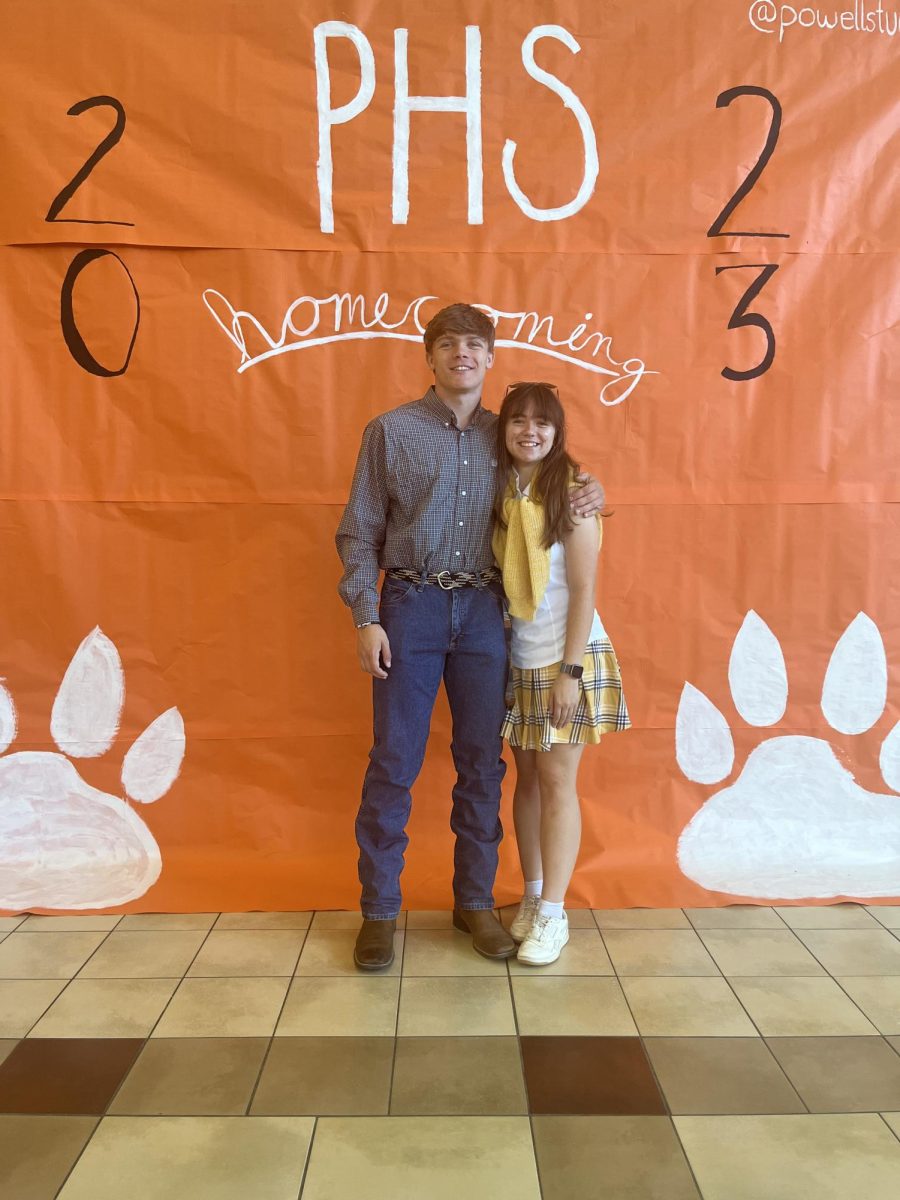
423, 575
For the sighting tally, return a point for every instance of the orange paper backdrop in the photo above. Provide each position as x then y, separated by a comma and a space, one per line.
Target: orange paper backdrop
186, 505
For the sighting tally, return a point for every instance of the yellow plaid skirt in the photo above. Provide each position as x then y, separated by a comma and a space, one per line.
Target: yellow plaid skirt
601, 705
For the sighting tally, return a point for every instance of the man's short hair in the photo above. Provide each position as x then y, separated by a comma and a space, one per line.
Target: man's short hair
459, 318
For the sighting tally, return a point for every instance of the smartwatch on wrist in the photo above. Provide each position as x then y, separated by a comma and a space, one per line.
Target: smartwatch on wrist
576, 671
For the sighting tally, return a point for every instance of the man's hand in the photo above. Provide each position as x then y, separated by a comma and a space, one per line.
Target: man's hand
374, 649
590, 498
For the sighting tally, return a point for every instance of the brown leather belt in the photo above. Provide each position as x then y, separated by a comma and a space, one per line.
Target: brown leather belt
447, 579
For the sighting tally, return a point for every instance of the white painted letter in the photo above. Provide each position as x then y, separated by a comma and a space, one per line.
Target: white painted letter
571, 102
329, 116
470, 104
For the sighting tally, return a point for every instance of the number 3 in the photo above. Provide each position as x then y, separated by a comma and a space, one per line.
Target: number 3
741, 318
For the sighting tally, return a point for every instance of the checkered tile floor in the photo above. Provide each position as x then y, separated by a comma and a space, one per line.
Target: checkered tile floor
742, 1053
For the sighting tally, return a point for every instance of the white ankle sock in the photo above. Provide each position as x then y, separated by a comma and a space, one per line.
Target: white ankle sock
533, 887
550, 909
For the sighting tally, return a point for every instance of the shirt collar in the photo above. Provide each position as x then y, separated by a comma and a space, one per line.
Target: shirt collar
432, 401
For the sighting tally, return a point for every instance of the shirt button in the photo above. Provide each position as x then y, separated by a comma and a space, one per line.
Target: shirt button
462, 493
457, 554
446, 424
460, 522
465, 462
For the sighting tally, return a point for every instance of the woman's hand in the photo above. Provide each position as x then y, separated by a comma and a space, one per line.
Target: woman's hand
588, 499
564, 697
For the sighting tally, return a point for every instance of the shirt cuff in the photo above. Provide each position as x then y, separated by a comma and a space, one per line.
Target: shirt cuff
365, 610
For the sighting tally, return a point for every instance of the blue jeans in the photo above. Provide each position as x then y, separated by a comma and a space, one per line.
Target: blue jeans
434, 634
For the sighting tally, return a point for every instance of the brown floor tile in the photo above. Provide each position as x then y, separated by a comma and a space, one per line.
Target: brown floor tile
721, 1075
792, 1157
878, 996
164, 955
111, 1008
589, 1075
611, 1158
735, 916
658, 952
192, 1077
37, 1153
849, 951
65, 1075
426, 1158
205, 1158
841, 1074
455, 1076
325, 1076
826, 916
144, 922
46, 955
7, 1045
255, 953
23, 1001
759, 952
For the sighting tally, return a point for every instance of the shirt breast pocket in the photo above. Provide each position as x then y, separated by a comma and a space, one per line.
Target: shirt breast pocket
415, 479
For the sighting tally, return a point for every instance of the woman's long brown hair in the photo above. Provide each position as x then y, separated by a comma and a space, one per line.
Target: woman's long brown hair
550, 483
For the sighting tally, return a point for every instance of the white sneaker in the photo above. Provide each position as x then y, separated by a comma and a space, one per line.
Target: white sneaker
524, 918
545, 940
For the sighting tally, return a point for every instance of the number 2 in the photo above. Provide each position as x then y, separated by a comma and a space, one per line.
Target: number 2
114, 135
722, 101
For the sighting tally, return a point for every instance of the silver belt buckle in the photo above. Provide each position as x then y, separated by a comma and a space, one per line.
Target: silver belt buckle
448, 587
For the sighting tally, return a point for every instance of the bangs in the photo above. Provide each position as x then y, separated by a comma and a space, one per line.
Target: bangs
534, 400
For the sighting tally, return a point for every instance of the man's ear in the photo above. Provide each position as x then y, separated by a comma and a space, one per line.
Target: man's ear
429, 358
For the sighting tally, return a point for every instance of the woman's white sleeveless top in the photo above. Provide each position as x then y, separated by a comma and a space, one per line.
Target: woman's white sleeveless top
540, 642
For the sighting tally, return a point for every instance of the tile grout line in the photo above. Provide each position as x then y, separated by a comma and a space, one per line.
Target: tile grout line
268, 1049
390, 1104
79, 1155
529, 1113
309, 1154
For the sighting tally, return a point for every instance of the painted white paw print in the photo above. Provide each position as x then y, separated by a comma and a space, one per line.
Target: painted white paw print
795, 824
63, 843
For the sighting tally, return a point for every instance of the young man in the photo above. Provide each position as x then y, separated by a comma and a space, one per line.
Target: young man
420, 510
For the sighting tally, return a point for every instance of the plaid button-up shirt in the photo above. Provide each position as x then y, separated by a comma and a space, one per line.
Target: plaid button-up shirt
421, 499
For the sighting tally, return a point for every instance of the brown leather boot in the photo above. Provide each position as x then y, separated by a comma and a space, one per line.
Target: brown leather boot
489, 937
374, 947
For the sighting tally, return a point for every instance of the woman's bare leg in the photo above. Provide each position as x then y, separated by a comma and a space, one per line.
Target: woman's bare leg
560, 818
527, 813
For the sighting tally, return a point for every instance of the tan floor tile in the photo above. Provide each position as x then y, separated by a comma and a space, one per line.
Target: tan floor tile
878, 996
330, 952
611, 1158
408, 1158
886, 914
759, 952
576, 1007
895, 1042
340, 1008
851, 951
46, 955
440, 1076
430, 919
720, 1075
23, 1001
681, 1007
808, 1007
142, 922
226, 1158
223, 1008
143, 955
641, 918
735, 916
8, 924
893, 1119
328, 1076
578, 918
36, 1153
106, 1008
826, 916
264, 920
841, 1074
76, 923
584, 954
255, 952
191, 1077
446, 1007
789, 1157
658, 952
334, 919
445, 952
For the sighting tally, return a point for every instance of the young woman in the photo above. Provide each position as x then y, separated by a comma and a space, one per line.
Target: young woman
565, 677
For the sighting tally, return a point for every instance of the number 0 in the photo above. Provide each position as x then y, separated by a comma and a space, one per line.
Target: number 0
71, 333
